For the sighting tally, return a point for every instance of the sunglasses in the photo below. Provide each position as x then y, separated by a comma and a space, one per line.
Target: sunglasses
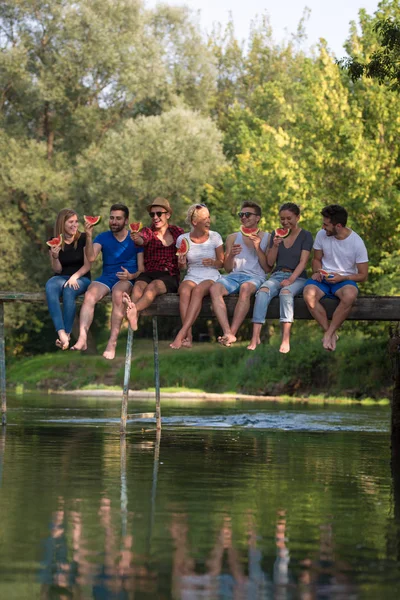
245, 214
198, 206
158, 213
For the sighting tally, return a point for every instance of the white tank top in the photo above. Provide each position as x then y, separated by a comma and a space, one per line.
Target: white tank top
247, 260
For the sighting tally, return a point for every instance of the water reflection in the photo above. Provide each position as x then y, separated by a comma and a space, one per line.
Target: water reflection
230, 515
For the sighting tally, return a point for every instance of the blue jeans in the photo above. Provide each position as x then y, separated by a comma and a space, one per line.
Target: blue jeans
54, 291
285, 300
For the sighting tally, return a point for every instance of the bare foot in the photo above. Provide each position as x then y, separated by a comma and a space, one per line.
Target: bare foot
285, 347
63, 340
132, 316
177, 343
326, 341
126, 299
334, 339
253, 344
80, 346
109, 352
187, 342
228, 339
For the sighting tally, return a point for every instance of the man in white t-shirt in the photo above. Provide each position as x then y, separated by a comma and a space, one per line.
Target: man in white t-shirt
340, 261
246, 263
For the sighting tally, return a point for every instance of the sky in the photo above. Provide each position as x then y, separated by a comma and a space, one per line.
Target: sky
328, 20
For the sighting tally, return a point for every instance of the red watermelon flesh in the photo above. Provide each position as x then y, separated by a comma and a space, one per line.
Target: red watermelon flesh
326, 274
55, 241
247, 231
281, 232
135, 227
92, 220
183, 248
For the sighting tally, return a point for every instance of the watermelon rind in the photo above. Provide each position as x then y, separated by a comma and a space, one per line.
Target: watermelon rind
135, 227
183, 248
92, 220
55, 241
247, 231
281, 232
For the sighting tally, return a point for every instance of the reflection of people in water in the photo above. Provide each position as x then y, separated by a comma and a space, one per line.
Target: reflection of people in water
116, 576
218, 581
58, 574
325, 574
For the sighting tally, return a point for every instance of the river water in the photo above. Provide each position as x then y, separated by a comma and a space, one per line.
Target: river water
235, 500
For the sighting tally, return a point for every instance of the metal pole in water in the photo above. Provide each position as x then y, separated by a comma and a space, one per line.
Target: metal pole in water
156, 373
127, 375
124, 488
3, 367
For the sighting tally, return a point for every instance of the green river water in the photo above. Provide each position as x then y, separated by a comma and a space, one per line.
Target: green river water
235, 500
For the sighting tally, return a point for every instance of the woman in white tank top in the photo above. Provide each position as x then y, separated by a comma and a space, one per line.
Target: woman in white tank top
204, 258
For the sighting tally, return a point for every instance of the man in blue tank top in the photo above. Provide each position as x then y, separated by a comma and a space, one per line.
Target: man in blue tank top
122, 263
246, 263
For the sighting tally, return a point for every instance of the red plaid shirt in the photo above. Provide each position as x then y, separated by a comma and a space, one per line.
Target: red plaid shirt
158, 257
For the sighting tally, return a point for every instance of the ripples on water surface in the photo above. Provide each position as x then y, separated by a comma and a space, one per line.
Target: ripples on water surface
235, 501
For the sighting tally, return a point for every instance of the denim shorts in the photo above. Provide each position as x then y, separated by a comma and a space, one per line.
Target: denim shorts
111, 280
233, 281
330, 289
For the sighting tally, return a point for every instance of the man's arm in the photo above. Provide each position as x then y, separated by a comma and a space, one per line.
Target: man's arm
359, 277
316, 265
231, 251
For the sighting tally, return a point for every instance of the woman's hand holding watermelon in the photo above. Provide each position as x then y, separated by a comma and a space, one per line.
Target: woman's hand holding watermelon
278, 241
182, 261
55, 251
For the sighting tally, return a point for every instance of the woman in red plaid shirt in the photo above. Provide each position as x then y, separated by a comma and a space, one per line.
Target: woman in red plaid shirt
160, 261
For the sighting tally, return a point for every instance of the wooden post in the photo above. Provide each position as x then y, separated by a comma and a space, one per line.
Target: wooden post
3, 367
127, 376
156, 373
3, 432
394, 349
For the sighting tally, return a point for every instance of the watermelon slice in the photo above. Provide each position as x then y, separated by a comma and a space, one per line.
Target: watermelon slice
183, 248
135, 227
326, 274
92, 220
247, 231
282, 233
55, 241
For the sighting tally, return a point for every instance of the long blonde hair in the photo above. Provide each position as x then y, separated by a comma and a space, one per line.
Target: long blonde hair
59, 227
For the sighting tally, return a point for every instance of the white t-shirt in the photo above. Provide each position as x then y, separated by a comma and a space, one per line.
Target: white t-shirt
341, 256
196, 270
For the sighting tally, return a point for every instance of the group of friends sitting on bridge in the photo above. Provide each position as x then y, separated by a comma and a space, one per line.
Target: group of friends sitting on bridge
139, 266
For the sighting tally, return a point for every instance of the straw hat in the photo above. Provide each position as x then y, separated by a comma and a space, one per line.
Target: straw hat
160, 202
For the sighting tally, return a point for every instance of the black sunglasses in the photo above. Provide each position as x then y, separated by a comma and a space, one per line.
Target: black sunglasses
245, 214
198, 206
158, 213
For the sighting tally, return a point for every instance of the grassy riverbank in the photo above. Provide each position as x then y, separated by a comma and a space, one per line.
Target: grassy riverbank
359, 368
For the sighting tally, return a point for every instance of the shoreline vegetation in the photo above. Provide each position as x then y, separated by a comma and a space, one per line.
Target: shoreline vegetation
359, 370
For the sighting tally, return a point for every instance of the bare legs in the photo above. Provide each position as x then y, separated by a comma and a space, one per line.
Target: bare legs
347, 296
191, 298
95, 292
117, 314
217, 293
142, 296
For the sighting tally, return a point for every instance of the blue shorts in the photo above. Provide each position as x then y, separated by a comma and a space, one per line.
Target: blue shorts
111, 280
233, 281
330, 289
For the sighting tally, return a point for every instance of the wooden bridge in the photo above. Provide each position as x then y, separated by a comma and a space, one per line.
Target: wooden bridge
366, 308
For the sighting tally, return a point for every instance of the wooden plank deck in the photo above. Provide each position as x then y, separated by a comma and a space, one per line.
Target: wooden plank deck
366, 308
